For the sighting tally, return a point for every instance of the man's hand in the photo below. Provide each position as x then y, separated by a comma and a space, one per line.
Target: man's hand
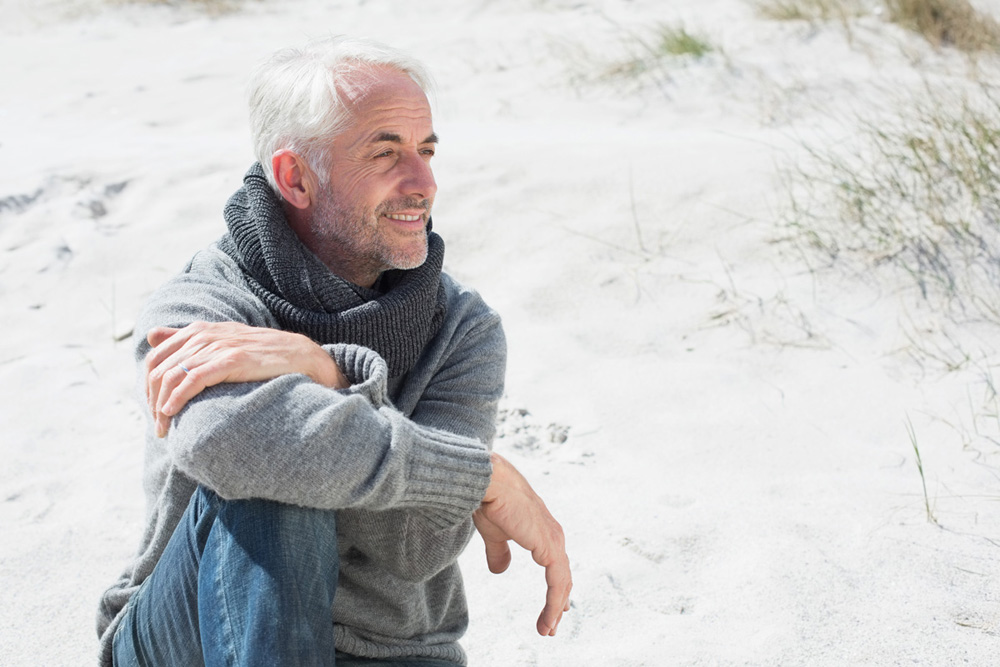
511, 510
185, 361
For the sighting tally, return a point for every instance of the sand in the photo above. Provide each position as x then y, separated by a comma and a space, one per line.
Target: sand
722, 425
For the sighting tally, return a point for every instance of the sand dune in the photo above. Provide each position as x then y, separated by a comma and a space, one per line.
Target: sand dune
720, 424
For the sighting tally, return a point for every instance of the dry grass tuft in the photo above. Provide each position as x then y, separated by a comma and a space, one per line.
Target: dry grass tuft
677, 41
919, 197
643, 60
947, 23
211, 7
810, 10
650, 53
941, 22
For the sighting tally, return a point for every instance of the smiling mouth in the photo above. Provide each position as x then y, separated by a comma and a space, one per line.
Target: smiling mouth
403, 218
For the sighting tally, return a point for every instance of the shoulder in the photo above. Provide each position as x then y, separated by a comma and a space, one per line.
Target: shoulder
213, 264
469, 322
210, 288
465, 305
211, 281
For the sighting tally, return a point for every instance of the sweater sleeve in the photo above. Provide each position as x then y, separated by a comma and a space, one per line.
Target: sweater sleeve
447, 402
292, 440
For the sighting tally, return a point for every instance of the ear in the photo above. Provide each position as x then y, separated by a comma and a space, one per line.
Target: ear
294, 178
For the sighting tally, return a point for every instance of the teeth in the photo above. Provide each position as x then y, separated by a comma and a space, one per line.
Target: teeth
404, 218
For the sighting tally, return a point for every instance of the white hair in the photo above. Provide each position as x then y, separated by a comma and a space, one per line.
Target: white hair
295, 103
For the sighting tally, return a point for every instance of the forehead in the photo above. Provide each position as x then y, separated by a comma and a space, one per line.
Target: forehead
384, 98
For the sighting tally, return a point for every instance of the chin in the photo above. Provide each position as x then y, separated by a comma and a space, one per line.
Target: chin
412, 262
410, 258
403, 262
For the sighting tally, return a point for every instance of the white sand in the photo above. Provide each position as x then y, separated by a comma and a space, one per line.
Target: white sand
737, 485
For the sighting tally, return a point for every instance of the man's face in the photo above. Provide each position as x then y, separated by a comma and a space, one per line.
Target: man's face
372, 213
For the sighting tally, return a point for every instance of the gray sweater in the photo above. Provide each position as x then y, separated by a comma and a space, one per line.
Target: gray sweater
404, 461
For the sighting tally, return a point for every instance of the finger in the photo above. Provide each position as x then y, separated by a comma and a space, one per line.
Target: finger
170, 380
157, 363
157, 335
153, 378
177, 371
165, 342
157, 372
560, 582
162, 424
197, 377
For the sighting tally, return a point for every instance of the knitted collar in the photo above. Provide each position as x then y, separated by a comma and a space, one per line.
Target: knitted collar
397, 321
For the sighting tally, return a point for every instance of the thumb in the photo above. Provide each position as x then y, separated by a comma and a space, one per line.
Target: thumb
497, 556
497, 549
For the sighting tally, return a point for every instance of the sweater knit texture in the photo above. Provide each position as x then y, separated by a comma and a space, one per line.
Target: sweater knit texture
402, 455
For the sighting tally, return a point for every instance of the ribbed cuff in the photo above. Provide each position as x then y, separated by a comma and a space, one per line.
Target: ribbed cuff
348, 642
447, 476
364, 369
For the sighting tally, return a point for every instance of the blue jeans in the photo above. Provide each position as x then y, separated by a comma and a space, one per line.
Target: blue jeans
241, 582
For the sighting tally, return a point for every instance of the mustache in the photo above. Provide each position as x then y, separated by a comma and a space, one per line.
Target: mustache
403, 204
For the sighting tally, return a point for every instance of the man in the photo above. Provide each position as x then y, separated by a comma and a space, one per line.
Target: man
321, 402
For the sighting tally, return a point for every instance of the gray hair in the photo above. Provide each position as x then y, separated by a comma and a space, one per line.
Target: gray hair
295, 103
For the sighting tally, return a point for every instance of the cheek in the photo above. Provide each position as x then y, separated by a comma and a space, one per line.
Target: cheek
365, 187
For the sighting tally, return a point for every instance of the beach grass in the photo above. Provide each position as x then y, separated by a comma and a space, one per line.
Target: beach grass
212, 7
650, 53
955, 23
912, 435
671, 40
918, 196
809, 10
947, 23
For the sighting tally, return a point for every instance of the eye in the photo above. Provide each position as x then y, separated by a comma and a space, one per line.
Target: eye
385, 153
429, 152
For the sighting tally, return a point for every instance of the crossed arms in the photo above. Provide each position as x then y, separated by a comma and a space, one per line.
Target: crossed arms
273, 362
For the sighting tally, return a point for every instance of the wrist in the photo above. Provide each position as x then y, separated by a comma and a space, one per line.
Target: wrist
324, 370
497, 464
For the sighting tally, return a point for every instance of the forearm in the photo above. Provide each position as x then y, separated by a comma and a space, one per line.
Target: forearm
294, 441
184, 361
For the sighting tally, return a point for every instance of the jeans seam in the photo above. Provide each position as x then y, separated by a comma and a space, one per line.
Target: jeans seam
232, 657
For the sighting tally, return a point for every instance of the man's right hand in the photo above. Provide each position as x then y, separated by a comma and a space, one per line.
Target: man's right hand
511, 510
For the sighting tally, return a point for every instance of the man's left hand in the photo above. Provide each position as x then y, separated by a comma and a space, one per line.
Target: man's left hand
185, 361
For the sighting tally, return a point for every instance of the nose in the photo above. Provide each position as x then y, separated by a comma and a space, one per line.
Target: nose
418, 179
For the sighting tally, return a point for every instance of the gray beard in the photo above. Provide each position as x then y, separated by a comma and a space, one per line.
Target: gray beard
351, 239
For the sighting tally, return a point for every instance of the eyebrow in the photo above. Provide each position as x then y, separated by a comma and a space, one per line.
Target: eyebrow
394, 138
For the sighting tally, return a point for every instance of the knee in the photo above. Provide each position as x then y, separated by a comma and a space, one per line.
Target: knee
300, 530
